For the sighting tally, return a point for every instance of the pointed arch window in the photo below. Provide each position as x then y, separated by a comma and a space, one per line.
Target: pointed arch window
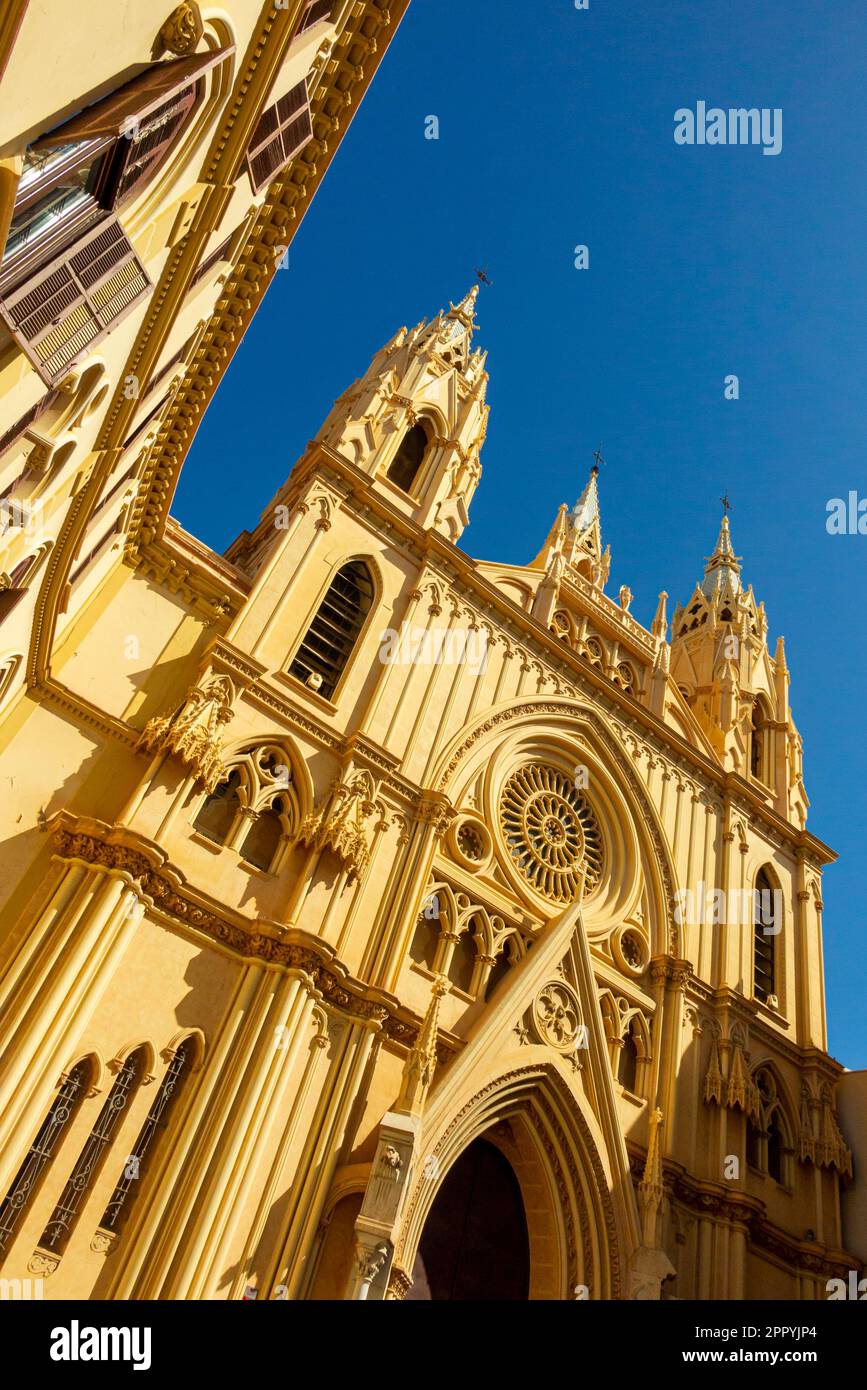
627, 1063
760, 743
218, 813
263, 838
43, 1149
463, 961
765, 931
328, 642
136, 1165
63, 1219
406, 464
775, 1149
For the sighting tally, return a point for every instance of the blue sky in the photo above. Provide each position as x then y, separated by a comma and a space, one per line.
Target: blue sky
556, 129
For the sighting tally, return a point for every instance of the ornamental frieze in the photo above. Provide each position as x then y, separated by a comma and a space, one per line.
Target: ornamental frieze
165, 887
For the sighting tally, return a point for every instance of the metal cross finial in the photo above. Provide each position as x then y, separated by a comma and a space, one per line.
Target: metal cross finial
598, 459
726, 504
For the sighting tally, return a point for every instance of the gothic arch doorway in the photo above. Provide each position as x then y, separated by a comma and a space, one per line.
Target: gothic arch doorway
475, 1243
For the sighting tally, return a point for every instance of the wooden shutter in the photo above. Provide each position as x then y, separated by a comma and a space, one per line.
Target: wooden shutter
136, 100
138, 154
316, 10
283, 130
61, 311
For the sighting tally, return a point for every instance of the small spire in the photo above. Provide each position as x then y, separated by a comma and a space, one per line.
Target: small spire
420, 1065
660, 622
780, 655
586, 510
465, 312
651, 1189
723, 568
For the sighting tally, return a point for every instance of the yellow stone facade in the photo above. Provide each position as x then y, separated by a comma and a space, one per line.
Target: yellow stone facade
343, 863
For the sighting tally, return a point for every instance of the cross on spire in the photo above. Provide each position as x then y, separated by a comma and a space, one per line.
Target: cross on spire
598, 460
726, 504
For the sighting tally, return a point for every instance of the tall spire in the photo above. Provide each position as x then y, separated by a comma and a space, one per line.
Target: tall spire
722, 571
576, 536
585, 514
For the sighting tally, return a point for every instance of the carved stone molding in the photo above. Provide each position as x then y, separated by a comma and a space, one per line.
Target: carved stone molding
165, 887
182, 30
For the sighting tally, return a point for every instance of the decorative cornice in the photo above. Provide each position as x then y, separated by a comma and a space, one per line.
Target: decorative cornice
120, 851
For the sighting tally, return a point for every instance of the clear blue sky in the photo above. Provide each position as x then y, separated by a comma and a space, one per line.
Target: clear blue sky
556, 128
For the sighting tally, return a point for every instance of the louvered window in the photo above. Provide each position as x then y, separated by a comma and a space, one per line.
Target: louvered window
316, 10
765, 925
84, 1174
144, 146
60, 312
41, 1152
331, 636
157, 1118
283, 130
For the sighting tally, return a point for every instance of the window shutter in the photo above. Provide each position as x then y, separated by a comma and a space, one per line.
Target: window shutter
283, 130
143, 149
316, 10
57, 314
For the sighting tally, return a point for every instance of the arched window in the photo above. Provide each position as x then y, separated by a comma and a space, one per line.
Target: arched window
62, 1221
42, 1150
330, 638
775, 1149
760, 743
263, 838
406, 463
218, 812
136, 1166
765, 931
463, 961
627, 1063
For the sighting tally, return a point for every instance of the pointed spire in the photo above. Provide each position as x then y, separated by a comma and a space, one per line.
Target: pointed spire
465, 312
577, 536
585, 513
421, 1063
651, 1188
660, 622
723, 568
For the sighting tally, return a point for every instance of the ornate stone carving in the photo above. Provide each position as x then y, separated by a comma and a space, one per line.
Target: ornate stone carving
550, 831
194, 732
42, 1263
183, 29
340, 825
557, 1015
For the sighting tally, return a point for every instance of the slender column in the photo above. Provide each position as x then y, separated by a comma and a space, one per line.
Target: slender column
64, 998
149, 1242
273, 1075
240, 1092
315, 1173
296, 1109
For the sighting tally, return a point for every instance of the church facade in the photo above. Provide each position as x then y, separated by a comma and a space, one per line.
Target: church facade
410, 926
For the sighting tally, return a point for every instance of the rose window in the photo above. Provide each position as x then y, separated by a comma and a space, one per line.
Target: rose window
551, 833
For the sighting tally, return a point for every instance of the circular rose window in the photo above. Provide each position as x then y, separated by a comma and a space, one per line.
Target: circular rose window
551, 833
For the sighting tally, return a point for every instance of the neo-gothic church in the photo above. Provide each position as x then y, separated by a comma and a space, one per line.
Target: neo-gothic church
344, 951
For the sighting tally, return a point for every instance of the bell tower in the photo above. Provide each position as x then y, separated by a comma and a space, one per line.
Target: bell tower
737, 691
416, 420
